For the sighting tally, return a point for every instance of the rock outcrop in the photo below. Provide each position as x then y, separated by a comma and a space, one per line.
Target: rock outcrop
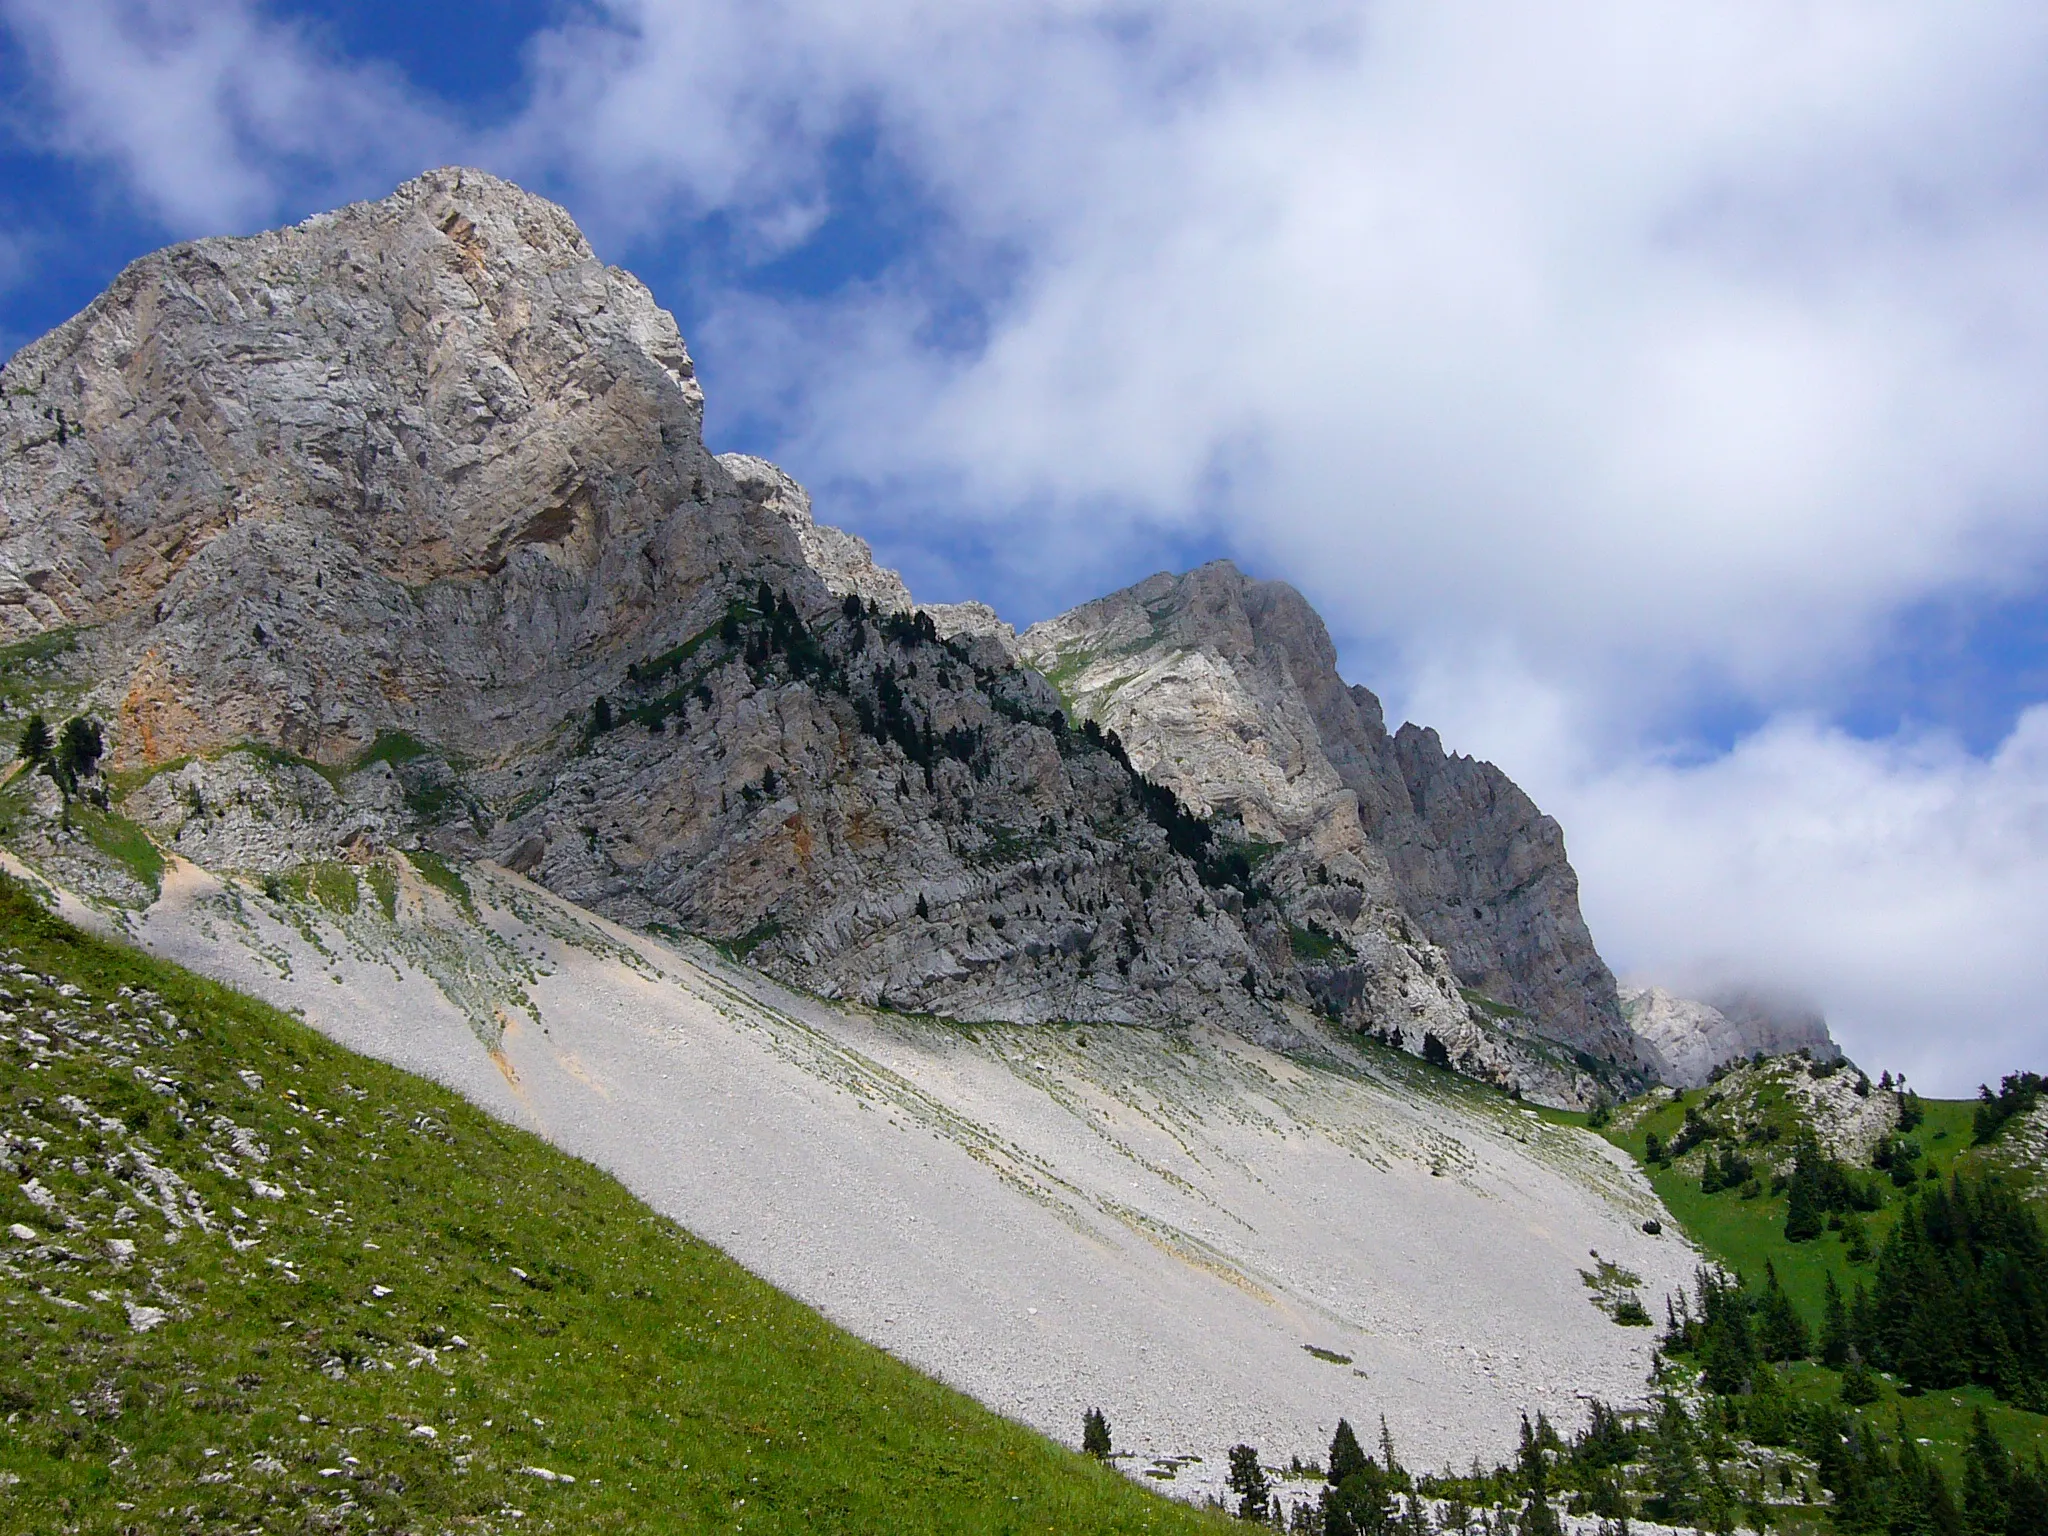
1692, 1039
1226, 689
397, 529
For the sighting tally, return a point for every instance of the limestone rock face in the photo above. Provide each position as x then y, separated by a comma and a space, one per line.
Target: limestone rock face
422, 464
396, 529
1227, 690
842, 560
400, 526
1693, 1038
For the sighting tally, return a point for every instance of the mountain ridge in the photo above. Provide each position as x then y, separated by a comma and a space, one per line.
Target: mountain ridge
1226, 688
415, 494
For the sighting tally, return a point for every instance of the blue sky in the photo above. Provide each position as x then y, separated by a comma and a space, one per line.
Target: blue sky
1649, 399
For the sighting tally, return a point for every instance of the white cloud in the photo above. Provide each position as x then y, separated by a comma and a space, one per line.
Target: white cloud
1899, 884
213, 114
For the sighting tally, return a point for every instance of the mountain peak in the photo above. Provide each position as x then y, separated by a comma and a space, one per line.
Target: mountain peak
1225, 689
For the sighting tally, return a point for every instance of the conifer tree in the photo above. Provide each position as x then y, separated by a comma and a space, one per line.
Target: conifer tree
1781, 1330
35, 741
1395, 1476
1674, 1465
1862, 1318
1346, 1454
79, 748
1538, 1518
1767, 1414
1987, 1481
1095, 1434
1834, 1328
1919, 1497
1361, 1505
1803, 1205
1859, 1382
1728, 1350
1961, 1293
1248, 1482
2027, 1509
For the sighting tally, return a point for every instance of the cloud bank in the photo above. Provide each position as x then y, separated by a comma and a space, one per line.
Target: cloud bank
1594, 367
212, 114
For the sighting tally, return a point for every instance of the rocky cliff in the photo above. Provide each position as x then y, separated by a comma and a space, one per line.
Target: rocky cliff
1691, 1038
396, 529
1227, 690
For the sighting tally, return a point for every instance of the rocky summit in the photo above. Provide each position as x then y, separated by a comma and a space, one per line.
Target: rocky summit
1692, 1038
1226, 689
396, 529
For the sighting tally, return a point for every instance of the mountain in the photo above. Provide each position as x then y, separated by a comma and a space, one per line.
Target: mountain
356, 523
1691, 1038
1226, 689
396, 529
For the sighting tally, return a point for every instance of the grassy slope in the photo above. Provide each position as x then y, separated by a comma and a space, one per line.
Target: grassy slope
679, 1391
1745, 1233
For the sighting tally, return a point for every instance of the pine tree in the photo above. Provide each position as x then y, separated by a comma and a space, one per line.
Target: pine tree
1862, 1319
1855, 1239
35, 741
1248, 1482
1674, 1466
2027, 1510
1538, 1518
79, 748
1805, 1200
1961, 1293
1095, 1434
1859, 1382
1346, 1454
1920, 1497
1361, 1505
1728, 1350
1834, 1328
1767, 1414
1395, 1476
1781, 1330
1987, 1481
